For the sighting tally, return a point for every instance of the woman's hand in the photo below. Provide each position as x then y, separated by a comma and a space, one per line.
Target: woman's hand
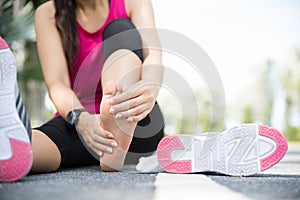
94, 136
135, 103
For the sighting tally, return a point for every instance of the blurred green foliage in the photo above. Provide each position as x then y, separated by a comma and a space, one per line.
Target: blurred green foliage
17, 28
15, 24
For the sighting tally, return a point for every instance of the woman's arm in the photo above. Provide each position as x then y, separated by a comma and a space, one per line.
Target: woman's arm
55, 71
142, 16
53, 61
135, 103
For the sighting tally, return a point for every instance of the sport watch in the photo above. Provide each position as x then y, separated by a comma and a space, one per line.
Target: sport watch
73, 116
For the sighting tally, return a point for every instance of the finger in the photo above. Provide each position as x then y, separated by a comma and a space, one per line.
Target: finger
88, 142
86, 139
126, 95
104, 141
127, 105
100, 135
96, 138
132, 112
135, 119
100, 153
98, 147
121, 97
107, 134
103, 133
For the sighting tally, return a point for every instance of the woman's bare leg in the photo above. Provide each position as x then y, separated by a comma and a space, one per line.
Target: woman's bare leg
123, 69
46, 156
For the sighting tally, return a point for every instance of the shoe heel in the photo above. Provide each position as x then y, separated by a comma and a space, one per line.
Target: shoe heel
19, 164
254, 148
15, 149
281, 146
164, 155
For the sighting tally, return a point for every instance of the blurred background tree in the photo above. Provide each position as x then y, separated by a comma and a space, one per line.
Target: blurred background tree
276, 83
290, 78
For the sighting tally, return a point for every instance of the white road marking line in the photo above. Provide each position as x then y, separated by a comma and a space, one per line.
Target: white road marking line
191, 186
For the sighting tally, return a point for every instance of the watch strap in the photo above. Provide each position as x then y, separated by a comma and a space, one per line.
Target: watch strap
79, 111
73, 116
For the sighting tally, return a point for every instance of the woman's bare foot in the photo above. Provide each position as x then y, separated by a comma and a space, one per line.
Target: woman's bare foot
121, 129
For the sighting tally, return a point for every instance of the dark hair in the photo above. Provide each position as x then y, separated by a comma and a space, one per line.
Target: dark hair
65, 18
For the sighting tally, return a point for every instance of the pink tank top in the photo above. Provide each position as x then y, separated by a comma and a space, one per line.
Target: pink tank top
85, 77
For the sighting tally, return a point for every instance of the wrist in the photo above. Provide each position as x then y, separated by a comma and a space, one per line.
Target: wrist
73, 116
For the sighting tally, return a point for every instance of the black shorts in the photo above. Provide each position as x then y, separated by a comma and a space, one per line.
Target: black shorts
147, 135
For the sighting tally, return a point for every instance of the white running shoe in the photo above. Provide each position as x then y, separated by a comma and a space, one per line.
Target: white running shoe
15, 130
239, 151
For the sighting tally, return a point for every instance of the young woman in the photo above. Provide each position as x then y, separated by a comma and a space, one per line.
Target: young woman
120, 77
82, 72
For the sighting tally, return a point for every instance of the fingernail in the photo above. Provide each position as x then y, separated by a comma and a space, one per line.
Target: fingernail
114, 144
100, 153
118, 116
109, 150
111, 136
111, 102
129, 120
112, 111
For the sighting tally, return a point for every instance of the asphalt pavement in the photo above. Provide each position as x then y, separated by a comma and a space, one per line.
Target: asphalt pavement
83, 184
280, 182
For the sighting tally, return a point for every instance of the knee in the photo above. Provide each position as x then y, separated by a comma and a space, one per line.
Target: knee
116, 27
121, 34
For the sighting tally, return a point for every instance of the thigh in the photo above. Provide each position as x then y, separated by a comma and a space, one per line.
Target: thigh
65, 137
46, 156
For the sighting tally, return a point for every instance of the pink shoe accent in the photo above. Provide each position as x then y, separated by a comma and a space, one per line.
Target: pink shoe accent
281, 148
3, 44
164, 152
19, 164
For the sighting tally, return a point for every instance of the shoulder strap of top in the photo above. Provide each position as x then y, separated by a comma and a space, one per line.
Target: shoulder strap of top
118, 9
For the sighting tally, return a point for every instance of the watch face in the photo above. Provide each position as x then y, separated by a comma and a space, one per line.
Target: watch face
74, 116
71, 118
